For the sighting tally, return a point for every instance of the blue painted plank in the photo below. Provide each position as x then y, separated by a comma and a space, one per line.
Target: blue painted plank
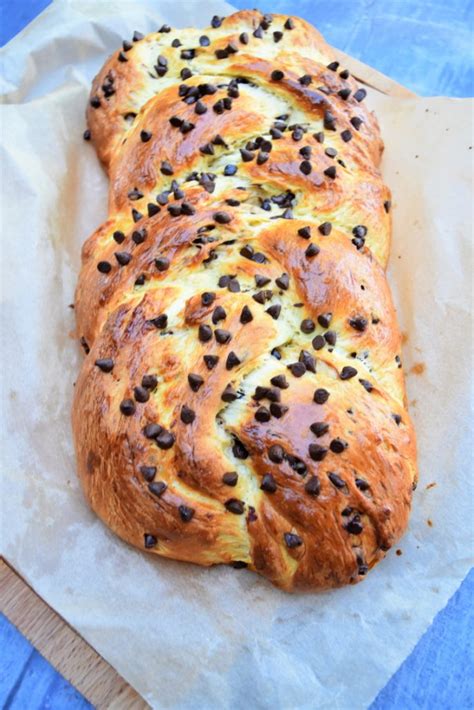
28, 681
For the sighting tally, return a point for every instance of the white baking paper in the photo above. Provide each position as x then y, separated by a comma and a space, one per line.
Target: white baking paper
183, 636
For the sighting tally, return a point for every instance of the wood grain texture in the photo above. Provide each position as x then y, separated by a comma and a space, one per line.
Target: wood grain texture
59, 643
63, 647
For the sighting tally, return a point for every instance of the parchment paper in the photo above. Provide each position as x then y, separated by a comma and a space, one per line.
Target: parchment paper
187, 637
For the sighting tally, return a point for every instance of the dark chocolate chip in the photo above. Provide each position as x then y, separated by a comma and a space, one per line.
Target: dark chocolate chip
233, 505
347, 372
262, 414
278, 410
321, 396
165, 439
141, 394
360, 94
204, 333
276, 453
149, 541
160, 321
218, 314
318, 342
305, 80
157, 488
145, 136
346, 136
268, 483
362, 484
195, 381
123, 257
331, 172
319, 428
313, 486
151, 431
305, 232
312, 250
246, 315
274, 311
336, 480
354, 527
187, 415
232, 360
210, 361
358, 323
104, 267
230, 478
317, 452
229, 394
324, 319
367, 385
325, 228
105, 364
186, 513
337, 446
330, 337
148, 473
222, 336
356, 122
292, 540
280, 381
127, 407
307, 326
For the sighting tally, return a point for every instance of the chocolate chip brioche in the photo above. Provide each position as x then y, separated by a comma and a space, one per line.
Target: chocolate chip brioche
242, 400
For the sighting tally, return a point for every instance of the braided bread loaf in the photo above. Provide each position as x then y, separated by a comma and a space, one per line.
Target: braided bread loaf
243, 400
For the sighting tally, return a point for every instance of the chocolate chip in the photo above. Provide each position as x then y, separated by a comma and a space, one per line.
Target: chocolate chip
165, 439
292, 540
336, 480
277, 36
247, 155
262, 414
367, 385
123, 257
150, 541
166, 168
333, 66
235, 506
148, 473
145, 136
330, 337
325, 228
230, 170
319, 428
258, 33
337, 446
204, 41
276, 453
397, 419
317, 452
344, 74
318, 342
141, 394
307, 360
283, 281
354, 527
268, 483
160, 321
262, 281
305, 232
187, 414
127, 407
95, 102
210, 361
274, 311
105, 364
387, 205
362, 484
305, 80
157, 488
307, 326
313, 486
222, 217
324, 319
360, 94
312, 250
346, 136
86, 135
280, 381
246, 315
232, 360
348, 372
218, 314
262, 296
305, 167
356, 122
321, 396
195, 381
278, 410
204, 333
239, 450
186, 513
229, 394
331, 172
104, 267
358, 323
119, 237
139, 236
149, 381
222, 336
136, 215
151, 431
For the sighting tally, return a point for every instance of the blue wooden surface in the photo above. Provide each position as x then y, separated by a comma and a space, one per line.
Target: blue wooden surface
427, 46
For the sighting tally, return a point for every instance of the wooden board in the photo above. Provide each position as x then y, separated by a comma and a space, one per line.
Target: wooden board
58, 642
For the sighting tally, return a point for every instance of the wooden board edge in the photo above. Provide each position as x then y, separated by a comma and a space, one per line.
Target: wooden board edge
372, 77
62, 646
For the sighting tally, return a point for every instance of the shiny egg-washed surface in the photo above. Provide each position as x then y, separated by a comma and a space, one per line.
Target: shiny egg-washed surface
242, 398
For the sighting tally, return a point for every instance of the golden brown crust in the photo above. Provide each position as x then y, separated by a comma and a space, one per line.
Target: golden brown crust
219, 281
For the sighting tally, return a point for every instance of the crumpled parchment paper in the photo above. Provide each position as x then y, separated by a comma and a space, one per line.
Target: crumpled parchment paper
183, 636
